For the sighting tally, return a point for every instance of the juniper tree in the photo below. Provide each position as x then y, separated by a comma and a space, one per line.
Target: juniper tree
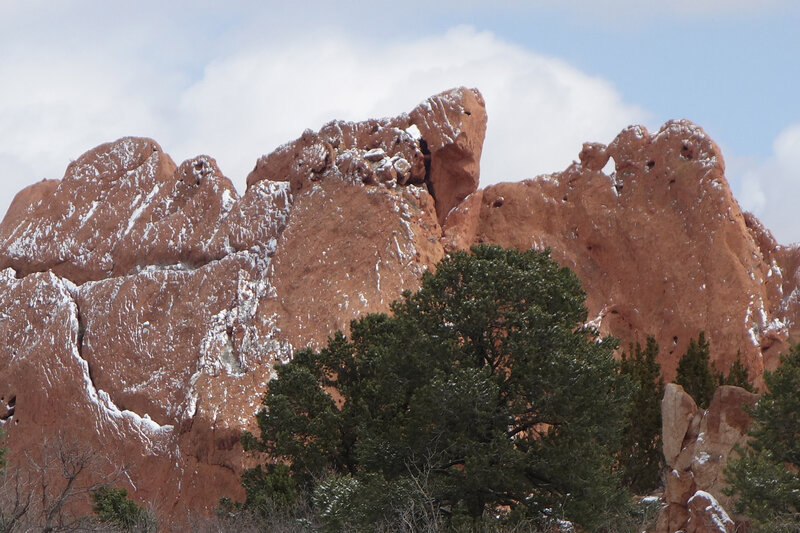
765, 477
114, 509
485, 380
640, 457
695, 373
738, 375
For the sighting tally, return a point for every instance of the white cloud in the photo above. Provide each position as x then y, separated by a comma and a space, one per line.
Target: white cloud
771, 189
623, 10
540, 109
247, 102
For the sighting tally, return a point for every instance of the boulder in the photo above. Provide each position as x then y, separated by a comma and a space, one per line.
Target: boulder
677, 412
706, 515
696, 454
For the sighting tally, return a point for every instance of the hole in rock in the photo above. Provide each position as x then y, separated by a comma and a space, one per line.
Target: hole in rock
467, 113
675, 339
671, 181
686, 151
651, 164
610, 167
13, 401
498, 201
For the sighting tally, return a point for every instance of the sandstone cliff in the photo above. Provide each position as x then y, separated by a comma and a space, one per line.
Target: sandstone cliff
144, 302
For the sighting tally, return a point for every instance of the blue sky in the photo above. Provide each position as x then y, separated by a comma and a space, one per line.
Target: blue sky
234, 81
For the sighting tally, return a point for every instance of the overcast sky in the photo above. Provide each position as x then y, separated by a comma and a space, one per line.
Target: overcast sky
236, 81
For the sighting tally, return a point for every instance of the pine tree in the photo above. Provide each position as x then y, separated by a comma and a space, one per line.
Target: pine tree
695, 373
640, 457
766, 477
738, 375
482, 391
113, 508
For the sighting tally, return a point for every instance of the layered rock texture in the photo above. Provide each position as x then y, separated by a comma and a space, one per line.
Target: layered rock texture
145, 303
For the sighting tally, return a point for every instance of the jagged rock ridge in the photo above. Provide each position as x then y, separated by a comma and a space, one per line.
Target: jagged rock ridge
144, 302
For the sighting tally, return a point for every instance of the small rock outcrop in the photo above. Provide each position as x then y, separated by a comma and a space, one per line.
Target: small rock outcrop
697, 445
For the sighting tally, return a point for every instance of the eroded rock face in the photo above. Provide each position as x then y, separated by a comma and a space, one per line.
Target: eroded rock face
159, 299
49, 384
145, 303
453, 125
439, 143
660, 245
120, 206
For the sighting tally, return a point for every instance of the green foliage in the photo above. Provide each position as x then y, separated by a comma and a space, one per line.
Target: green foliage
113, 508
738, 375
695, 373
481, 392
640, 456
268, 488
765, 477
700, 378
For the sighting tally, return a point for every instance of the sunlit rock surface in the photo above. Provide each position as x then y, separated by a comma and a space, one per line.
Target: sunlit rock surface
144, 303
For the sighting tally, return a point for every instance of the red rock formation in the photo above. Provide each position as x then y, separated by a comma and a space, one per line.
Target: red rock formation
697, 445
179, 295
660, 245
154, 300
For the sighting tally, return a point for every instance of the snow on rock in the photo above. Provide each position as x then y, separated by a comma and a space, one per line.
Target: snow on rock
170, 298
118, 207
706, 515
55, 398
179, 296
438, 143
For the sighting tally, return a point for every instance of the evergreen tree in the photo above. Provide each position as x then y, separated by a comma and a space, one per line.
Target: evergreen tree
114, 509
640, 457
695, 373
738, 375
766, 477
482, 391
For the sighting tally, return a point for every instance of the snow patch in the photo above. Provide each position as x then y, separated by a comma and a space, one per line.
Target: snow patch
702, 458
414, 132
720, 519
228, 201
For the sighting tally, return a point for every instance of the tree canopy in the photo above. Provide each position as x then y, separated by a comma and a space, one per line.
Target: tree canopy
696, 373
481, 395
765, 477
